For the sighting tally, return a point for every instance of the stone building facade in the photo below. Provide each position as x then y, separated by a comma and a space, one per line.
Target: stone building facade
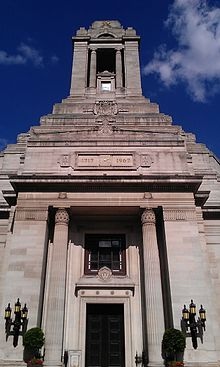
109, 218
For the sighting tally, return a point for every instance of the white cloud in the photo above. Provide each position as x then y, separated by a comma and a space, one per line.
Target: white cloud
196, 60
54, 59
25, 54
6, 59
31, 54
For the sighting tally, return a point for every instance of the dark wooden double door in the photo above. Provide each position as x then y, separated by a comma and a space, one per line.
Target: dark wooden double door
105, 335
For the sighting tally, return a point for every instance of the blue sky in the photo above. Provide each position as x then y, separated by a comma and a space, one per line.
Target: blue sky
180, 58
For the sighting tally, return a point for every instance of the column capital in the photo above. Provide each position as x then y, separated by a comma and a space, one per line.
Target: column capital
93, 48
148, 216
118, 48
61, 216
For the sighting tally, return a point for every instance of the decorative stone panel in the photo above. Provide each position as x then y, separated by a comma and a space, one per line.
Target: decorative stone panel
179, 214
31, 214
112, 292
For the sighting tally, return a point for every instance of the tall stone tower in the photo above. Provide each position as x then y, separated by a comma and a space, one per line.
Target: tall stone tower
109, 219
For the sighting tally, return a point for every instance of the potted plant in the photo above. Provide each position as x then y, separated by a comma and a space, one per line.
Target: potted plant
175, 364
35, 362
33, 341
173, 346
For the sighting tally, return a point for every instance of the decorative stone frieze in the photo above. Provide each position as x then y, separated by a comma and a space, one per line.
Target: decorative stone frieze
114, 293
148, 217
31, 214
62, 217
179, 214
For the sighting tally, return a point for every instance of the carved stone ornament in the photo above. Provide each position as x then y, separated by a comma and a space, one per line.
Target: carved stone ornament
105, 128
146, 160
64, 160
105, 273
105, 108
147, 195
106, 23
148, 217
62, 195
61, 217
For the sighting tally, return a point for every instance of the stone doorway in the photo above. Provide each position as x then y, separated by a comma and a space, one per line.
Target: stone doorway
105, 335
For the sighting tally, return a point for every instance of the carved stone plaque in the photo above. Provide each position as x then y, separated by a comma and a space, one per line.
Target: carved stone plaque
105, 160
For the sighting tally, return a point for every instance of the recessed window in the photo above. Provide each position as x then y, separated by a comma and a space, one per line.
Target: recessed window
104, 250
106, 86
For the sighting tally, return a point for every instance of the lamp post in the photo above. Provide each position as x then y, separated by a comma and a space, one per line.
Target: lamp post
188, 322
19, 324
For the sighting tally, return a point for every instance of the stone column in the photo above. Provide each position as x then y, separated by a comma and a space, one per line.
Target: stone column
92, 75
79, 69
118, 69
132, 68
153, 290
56, 292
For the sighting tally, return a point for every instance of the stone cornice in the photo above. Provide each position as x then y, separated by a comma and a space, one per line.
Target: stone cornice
123, 183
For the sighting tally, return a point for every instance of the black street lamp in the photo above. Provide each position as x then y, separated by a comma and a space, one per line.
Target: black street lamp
19, 324
188, 321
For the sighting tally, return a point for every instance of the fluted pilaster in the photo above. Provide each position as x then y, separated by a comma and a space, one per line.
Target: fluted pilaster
56, 291
153, 290
92, 76
118, 69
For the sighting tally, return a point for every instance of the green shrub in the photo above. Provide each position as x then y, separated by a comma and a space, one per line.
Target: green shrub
33, 338
174, 342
